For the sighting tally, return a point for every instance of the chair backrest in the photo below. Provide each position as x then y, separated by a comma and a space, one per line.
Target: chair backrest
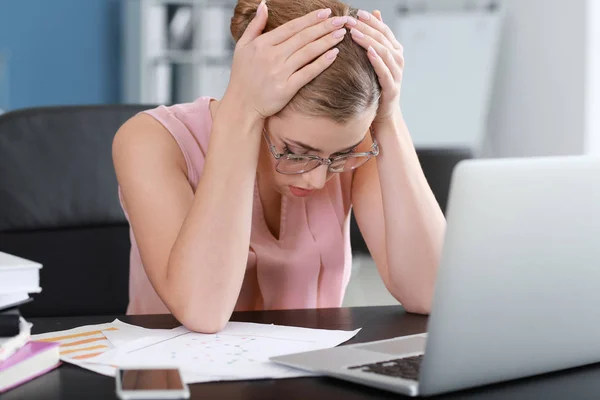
437, 165
59, 206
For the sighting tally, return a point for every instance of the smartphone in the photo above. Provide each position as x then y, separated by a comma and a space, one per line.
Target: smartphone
151, 383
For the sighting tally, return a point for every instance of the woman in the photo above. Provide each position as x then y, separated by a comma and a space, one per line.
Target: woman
244, 203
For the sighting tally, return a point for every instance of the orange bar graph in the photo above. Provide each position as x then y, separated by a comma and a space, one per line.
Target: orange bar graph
65, 352
80, 342
76, 335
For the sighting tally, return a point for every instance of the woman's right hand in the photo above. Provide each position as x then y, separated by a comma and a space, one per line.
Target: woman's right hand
268, 69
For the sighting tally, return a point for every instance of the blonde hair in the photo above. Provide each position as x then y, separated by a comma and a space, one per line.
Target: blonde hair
347, 88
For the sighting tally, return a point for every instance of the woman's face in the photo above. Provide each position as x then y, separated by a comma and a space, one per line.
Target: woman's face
292, 132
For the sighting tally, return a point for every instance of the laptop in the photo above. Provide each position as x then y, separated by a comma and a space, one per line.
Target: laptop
517, 290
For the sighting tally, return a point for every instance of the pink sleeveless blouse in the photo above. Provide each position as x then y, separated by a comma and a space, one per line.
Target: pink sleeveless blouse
307, 267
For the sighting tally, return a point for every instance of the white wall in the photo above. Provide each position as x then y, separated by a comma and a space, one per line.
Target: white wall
538, 106
593, 79
546, 98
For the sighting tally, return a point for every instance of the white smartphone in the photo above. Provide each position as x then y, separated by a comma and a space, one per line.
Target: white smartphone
151, 383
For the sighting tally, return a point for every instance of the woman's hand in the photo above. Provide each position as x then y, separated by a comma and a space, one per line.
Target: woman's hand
386, 55
269, 69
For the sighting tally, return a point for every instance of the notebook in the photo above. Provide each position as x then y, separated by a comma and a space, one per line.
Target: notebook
31, 361
18, 275
12, 300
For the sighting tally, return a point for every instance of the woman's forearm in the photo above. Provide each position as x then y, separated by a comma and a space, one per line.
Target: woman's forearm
208, 260
414, 222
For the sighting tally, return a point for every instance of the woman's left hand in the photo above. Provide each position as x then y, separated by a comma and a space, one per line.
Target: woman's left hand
386, 56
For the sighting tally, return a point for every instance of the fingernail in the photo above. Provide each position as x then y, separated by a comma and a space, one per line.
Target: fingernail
352, 21
331, 54
362, 14
339, 33
357, 33
339, 21
324, 13
260, 9
372, 51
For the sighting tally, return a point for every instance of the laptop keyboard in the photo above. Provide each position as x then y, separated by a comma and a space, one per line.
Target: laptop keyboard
406, 368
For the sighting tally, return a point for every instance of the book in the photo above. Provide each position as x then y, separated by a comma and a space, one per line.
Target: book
9, 346
11, 300
32, 360
18, 275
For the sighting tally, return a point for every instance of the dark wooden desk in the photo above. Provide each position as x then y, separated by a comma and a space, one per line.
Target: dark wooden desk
70, 382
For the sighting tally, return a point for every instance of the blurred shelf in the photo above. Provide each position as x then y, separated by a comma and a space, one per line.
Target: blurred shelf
175, 50
190, 57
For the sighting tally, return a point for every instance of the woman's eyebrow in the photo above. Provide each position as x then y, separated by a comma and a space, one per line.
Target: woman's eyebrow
304, 146
310, 148
351, 147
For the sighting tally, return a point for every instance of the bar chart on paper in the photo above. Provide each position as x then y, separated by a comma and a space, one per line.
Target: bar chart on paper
80, 343
240, 351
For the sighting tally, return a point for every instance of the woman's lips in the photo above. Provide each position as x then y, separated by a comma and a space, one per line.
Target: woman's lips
299, 192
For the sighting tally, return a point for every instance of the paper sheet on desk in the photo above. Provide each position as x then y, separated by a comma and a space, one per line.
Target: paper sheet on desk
240, 351
81, 345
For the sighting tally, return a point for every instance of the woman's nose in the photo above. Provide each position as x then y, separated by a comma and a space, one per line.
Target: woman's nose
316, 178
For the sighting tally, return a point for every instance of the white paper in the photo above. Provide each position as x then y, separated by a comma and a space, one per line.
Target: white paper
107, 370
240, 351
79, 342
127, 333
96, 340
141, 343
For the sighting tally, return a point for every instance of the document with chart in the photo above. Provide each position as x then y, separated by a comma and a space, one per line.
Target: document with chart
240, 351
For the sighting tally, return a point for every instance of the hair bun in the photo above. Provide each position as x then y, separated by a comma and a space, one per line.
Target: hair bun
244, 12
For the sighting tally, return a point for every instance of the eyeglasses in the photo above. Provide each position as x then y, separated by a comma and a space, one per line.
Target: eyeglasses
290, 164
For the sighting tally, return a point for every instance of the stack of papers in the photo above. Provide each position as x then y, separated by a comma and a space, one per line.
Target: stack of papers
240, 351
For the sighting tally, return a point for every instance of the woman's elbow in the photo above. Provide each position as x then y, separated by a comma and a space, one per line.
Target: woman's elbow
415, 303
195, 313
206, 327
201, 319
202, 322
417, 307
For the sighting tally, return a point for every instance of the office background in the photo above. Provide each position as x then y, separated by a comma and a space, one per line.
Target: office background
546, 93
545, 98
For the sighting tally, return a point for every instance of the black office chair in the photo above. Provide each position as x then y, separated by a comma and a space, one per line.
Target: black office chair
59, 206
437, 165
